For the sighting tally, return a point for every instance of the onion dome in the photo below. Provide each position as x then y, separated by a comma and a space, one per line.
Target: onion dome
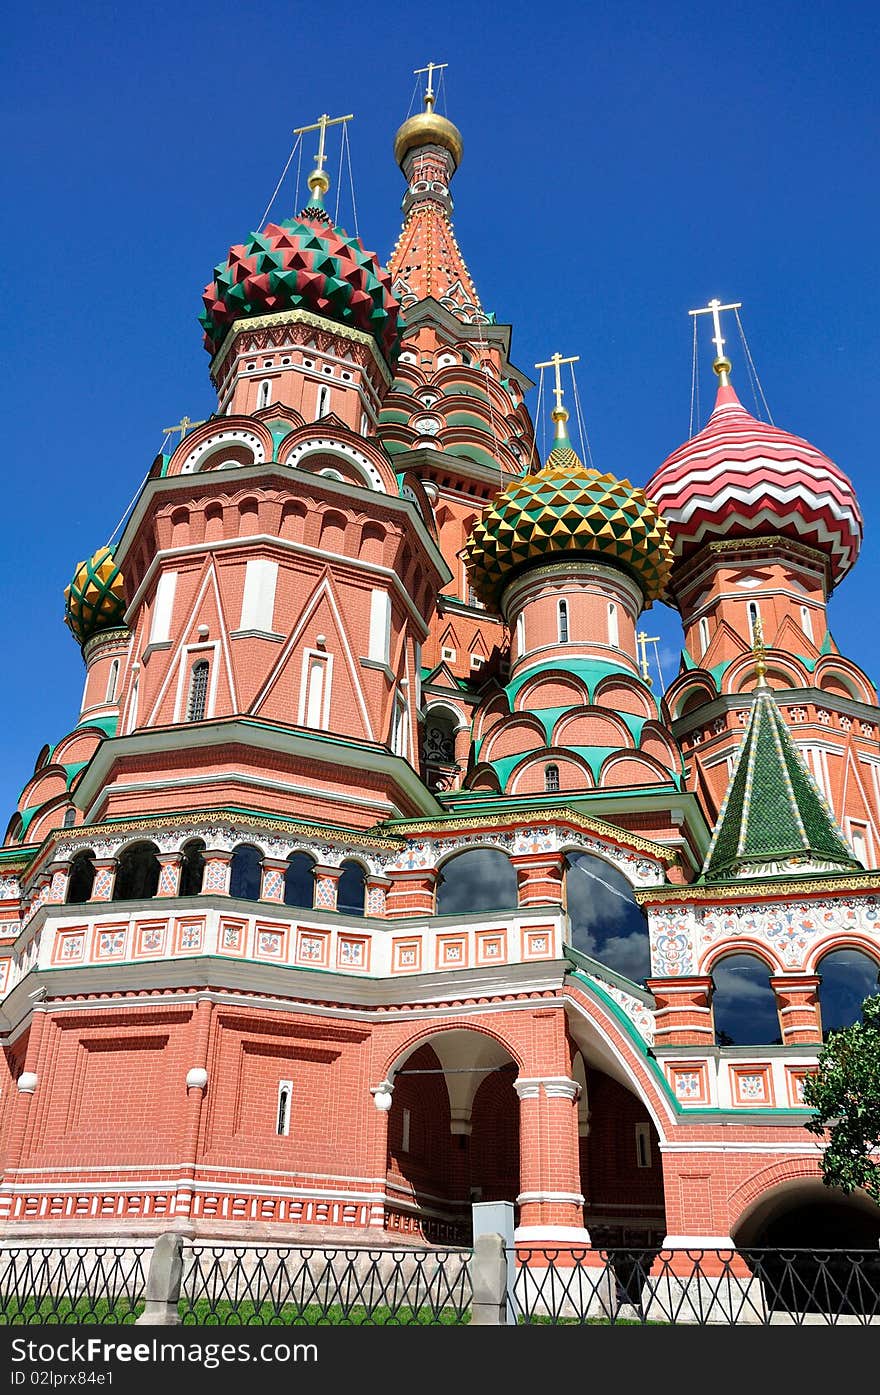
95, 598
428, 128
740, 477
304, 263
568, 509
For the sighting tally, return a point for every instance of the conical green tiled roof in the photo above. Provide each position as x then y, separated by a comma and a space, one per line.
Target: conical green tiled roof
774, 818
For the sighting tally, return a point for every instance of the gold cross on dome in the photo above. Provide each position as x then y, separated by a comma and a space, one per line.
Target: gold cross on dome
183, 426
714, 309
321, 125
430, 69
555, 362
643, 639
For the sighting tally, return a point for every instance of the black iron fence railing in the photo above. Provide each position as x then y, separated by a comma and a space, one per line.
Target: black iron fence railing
264, 1285
726, 1287
52, 1284
293, 1285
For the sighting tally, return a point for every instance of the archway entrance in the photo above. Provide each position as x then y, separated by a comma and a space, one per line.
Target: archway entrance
814, 1249
453, 1133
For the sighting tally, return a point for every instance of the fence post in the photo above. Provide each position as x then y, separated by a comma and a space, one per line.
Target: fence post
163, 1282
489, 1282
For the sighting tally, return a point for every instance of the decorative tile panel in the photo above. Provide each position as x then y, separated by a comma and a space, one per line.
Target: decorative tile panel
794, 1078
751, 1085
232, 936
69, 948
189, 935
270, 941
149, 938
312, 948
325, 893
491, 946
109, 942
406, 956
689, 1082
537, 942
353, 952
452, 951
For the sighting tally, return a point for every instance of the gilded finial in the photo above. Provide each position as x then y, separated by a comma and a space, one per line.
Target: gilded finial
721, 366
559, 414
319, 180
430, 94
759, 651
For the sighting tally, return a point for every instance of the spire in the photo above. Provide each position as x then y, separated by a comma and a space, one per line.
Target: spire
774, 819
427, 260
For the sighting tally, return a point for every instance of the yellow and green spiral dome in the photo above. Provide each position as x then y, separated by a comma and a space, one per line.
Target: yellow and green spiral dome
95, 598
567, 508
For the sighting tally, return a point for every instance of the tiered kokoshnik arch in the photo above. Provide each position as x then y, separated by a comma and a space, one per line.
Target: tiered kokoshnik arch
323, 920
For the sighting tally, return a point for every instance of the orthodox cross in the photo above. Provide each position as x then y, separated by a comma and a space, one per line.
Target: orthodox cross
714, 309
183, 426
431, 69
643, 639
555, 362
321, 125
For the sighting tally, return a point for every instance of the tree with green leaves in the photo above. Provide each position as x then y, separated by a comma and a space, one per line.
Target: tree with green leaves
845, 1093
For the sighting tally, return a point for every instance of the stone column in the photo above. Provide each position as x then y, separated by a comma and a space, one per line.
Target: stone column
60, 877
169, 874
272, 884
215, 880
550, 1200
683, 1014
376, 895
411, 893
540, 879
797, 1001
105, 879
326, 886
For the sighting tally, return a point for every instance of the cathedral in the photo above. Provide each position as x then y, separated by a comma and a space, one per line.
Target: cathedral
374, 876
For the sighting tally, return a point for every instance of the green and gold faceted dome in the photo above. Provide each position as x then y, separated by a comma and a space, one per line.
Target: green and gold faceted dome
567, 508
95, 598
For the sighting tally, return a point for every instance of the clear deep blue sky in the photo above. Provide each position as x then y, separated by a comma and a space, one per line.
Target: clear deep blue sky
623, 162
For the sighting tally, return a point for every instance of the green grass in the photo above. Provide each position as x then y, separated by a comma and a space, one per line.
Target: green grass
290, 1315
49, 1311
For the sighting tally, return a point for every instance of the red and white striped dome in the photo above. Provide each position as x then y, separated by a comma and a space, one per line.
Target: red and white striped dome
740, 477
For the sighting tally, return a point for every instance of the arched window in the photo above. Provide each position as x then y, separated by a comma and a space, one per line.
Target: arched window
264, 393
323, 406
81, 879
481, 879
848, 977
807, 622
520, 634
351, 891
754, 615
245, 872
613, 626
133, 707
192, 867
551, 779
604, 920
299, 881
704, 635
198, 692
69, 818
112, 679
744, 1004
563, 622
285, 1091
137, 873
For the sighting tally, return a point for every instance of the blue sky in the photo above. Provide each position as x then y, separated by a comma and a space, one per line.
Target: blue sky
623, 163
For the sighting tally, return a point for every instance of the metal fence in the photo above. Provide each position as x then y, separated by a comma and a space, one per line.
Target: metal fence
719, 1287
52, 1284
262, 1285
258, 1285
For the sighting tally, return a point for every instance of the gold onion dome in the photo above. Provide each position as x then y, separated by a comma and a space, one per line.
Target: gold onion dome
428, 128
95, 598
567, 508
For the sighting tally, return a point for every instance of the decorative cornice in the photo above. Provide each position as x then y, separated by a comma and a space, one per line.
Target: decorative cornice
765, 890
499, 821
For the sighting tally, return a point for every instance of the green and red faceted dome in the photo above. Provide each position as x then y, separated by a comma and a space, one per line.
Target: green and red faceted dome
304, 263
743, 478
